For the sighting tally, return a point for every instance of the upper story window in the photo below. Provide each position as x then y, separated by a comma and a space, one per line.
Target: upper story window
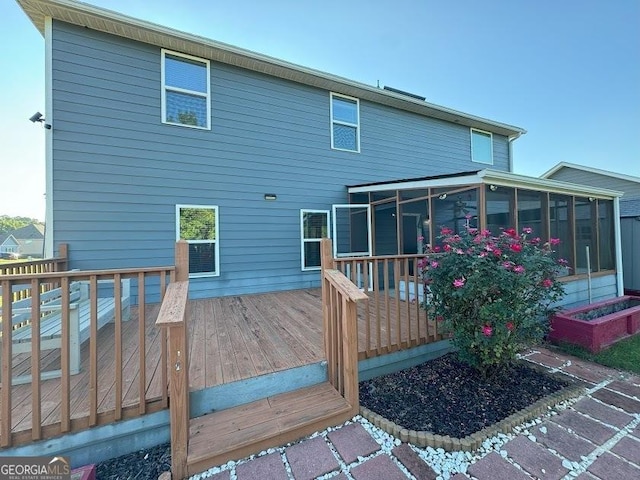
345, 123
198, 225
186, 98
314, 226
481, 146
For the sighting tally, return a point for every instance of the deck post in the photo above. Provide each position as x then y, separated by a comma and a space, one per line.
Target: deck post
63, 258
182, 261
326, 262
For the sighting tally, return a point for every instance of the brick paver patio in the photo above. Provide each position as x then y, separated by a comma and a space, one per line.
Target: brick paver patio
596, 437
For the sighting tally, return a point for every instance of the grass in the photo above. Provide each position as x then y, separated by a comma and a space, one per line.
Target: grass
623, 355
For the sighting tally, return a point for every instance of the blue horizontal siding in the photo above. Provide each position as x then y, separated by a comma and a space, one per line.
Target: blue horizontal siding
119, 172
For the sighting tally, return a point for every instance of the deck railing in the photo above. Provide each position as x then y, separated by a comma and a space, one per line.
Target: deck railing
117, 379
340, 299
47, 265
394, 318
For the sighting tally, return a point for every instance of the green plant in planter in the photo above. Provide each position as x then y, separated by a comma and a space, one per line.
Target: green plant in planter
493, 294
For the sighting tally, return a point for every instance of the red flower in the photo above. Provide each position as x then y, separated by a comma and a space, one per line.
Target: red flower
510, 326
515, 247
497, 252
439, 318
554, 241
436, 249
518, 269
446, 231
511, 232
547, 283
447, 248
487, 331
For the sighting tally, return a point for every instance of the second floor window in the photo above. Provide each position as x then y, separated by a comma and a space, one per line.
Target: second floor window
481, 146
185, 90
345, 123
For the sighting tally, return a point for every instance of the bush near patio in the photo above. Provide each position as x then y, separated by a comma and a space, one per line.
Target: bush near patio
493, 294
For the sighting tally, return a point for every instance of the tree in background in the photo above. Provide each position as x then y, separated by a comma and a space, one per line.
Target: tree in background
9, 224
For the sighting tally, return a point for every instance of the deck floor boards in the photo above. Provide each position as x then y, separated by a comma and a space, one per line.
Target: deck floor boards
230, 338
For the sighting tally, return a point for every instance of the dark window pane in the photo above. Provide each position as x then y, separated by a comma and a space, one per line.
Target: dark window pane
311, 254
559, 220
606, 235
315, 225
499, 207
530, 212
202, 258
585, 235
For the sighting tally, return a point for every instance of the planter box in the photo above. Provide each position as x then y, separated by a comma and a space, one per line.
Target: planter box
599, 332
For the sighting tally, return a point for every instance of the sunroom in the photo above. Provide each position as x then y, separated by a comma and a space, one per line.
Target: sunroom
401, 217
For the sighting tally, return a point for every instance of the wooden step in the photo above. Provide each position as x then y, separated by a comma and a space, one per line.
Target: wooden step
237, 432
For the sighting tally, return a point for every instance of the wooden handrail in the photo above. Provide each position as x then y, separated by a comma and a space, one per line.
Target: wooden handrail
346, 286
173, 317
75, 274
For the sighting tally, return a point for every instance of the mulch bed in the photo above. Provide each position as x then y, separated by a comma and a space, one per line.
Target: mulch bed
143, 465
447, 397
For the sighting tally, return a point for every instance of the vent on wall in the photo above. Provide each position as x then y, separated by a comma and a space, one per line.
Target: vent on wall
401, 92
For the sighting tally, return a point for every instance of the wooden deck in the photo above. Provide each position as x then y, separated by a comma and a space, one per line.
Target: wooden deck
230, 338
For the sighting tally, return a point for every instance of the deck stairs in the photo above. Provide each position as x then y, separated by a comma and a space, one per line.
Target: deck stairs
237, 432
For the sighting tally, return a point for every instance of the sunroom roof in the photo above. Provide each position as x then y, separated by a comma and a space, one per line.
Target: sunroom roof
487, 176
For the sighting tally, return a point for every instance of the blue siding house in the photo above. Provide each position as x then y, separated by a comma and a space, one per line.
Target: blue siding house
157, 135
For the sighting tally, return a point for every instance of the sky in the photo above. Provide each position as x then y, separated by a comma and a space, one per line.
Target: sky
566, 71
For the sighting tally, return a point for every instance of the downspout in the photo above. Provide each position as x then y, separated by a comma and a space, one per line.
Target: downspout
617, 232
510, 142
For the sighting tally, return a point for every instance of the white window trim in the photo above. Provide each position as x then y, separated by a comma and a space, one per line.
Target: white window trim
348, 124
305, 240
471, 131
165, 87
216, 242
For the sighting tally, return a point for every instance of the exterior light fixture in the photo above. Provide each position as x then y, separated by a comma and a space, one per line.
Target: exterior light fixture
442, 196
270, 196
493, 188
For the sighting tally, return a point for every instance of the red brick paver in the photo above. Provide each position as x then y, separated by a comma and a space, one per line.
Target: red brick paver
603, 412
565, 443
311, 458
410, 459
534, 458
626, 388
268, 466
612, 398
628, 448
378, 468
353, 441
585, 427
494, 467
608, 466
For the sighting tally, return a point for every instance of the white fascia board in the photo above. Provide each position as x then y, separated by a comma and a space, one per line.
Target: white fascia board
414, 184
555, 186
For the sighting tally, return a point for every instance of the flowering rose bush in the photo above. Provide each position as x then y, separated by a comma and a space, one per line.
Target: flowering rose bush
493, 294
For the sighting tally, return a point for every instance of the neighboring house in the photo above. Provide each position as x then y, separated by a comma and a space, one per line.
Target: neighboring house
157, 135
629, 211
27, 241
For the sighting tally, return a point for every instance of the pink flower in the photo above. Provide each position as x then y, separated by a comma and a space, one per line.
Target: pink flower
562, 261
518, 269
446, 231
437, 248
447, 248
509, 326
506, 265
486, 233
497, 252
527, 230
482, 254
434, 264
547, 283
477, 239
515, 247
472, 231
554, 241
487, 331
422, 263
459, 251
459, 282
535, 241
511, 232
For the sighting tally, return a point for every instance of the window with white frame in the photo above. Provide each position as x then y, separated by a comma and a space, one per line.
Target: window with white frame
186, 98
314, 226
481, 146
198, 225
345, 123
